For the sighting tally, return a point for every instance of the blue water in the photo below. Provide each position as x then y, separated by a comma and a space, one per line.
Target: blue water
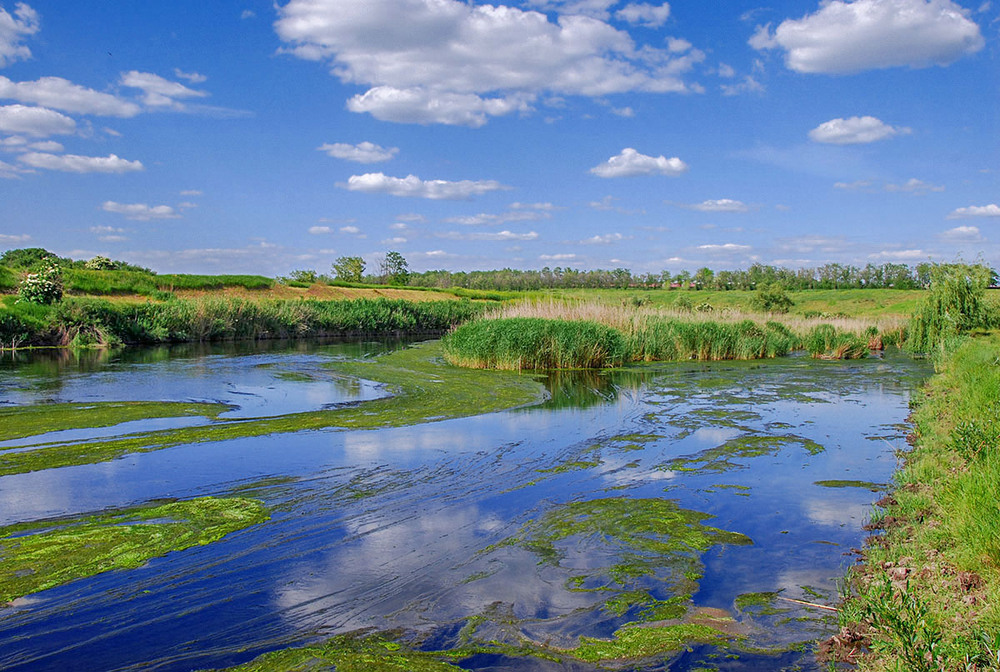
399, 528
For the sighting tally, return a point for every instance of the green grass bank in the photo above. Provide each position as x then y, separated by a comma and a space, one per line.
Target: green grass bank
98, 322
927, 595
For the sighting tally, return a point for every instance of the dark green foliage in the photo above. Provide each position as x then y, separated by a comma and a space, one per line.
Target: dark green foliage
82, 322
955, 306
8, 279
26, 258
349, 269
771, 298
827, 342
666, 340
98, 282
535, 343
394, 270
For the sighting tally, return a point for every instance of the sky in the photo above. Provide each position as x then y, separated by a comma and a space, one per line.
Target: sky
258, 137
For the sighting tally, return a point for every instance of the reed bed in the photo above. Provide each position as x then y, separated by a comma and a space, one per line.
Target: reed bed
656, 334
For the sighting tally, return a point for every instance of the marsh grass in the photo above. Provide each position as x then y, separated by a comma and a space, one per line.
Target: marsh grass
659, 334
929, 589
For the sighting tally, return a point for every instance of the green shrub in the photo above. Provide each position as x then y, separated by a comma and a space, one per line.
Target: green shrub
771, 298
44, 286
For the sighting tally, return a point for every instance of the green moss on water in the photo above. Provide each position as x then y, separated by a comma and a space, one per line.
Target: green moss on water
41, 555
347, 653
721, 458
867, 485
423, 387
576, 465
18, 422
637, 642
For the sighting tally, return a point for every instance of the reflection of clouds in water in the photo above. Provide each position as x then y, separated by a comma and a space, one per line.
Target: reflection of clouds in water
715, 436
836, 511
422, 569
616, 472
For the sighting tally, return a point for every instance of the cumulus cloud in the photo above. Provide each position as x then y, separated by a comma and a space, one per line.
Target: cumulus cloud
719, 205
963, 234
350, 230
724, 248
855, 131
320, 230
630, 163
61, 94
73, 163
453, 62
845, 37
503, 218
557, 257
193, 77
140, 211
991, 210
650, 16
158, 91
35, 121
13, 29
414, 187
7, 238
900, 255
605, 239
364, 152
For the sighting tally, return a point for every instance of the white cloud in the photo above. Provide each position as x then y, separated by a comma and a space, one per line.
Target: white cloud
453, 62
247, 14
320, 230
7, 171
36, 121
72, 163
914, 186
500, 235
747, 85
991, 210
484, 218
726, 71
854, 131
606, 204
350, 230
605, 239
557, 257
13, 29
399, 226
7, 238
844, 37
364, 152
724, 248
857, 185
140, 211
414, 187
651, 16
545, 207
900, 255
191, 192
398, 240
720, 205
61, 94
630, 163
159, 92
193, 77
963, 234
626, 112
418, 105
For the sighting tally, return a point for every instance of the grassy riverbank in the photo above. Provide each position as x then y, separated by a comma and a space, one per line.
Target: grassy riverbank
89, 321
928, 594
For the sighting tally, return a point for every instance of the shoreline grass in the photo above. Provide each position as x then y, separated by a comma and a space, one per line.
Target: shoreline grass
927, 596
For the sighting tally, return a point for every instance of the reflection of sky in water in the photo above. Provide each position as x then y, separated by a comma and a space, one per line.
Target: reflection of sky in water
387, 528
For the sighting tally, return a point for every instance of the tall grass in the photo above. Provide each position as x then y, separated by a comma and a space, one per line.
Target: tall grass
93, 282
534, 343
91, 321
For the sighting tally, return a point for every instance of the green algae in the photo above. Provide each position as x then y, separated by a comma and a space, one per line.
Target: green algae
423, 388
721, 458
867, 485
761, 604
348, 653
41, 555
575, 465
646, 535
636, 642
18, 422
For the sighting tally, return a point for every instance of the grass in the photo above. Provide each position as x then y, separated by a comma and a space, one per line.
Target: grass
928, 594
41, 555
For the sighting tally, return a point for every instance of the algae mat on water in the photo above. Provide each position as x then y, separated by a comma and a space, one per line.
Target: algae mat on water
40, 555
423, 389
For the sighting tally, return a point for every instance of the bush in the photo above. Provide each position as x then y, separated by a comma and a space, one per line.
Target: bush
100, 263
771, 298
43, 287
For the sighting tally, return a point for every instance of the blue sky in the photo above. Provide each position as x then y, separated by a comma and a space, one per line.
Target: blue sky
254, 137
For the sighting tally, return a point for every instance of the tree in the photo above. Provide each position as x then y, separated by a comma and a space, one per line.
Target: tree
771, 298
394, 270
703, 277
349, 269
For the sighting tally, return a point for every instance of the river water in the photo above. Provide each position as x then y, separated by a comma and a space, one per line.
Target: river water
419, 529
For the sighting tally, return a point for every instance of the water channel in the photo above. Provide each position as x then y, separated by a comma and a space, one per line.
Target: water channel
672, 493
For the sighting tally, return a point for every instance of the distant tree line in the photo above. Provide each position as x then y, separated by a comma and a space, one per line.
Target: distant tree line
828, 276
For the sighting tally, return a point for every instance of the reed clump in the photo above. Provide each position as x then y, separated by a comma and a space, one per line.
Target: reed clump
827, 342
518, 343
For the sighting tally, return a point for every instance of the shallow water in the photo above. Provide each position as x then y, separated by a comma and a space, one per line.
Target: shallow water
422, 528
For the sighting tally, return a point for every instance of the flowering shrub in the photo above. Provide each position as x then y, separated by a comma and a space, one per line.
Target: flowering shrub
100, 263
43, 287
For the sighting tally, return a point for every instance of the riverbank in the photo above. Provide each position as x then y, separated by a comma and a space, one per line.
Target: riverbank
927, 594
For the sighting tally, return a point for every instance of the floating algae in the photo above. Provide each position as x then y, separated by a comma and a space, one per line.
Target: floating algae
40, 555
